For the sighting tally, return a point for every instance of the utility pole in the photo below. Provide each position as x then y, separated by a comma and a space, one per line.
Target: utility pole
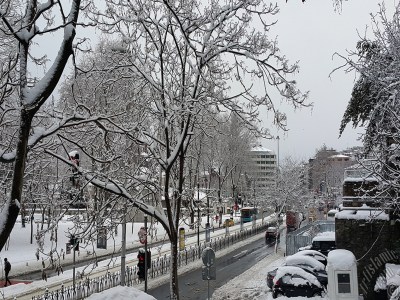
198, 214
145, 256
123, 250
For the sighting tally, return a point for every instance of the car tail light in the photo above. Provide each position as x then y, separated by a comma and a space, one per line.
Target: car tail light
277, 283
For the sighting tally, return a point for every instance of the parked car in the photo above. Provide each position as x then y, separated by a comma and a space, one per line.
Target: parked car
314, 254
272, 234
295, 282
304, 260
324, 242
308, 264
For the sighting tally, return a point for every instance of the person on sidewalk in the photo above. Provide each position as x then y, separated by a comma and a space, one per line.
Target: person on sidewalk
7, 269
44, 274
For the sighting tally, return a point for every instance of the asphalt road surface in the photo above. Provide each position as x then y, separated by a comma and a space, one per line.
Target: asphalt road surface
193, 287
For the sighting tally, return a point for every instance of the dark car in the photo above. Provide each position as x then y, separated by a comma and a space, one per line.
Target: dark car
295, 282
324, 242
272, 234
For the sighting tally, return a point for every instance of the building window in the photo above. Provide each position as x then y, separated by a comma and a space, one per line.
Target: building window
343, 283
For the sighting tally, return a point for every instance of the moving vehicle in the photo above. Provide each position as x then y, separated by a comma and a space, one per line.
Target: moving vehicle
293, 220
295, 282
272, 234
248, 213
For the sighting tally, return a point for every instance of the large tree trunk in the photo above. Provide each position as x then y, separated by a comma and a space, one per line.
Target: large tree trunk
174, 286
12, 208
37, 94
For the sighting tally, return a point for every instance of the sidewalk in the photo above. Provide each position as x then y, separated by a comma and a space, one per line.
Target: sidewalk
13, 282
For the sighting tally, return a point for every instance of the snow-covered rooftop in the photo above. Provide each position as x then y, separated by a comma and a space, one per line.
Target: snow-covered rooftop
325, 236
339, 156
121, 293
260, 149
341, 259
362, 213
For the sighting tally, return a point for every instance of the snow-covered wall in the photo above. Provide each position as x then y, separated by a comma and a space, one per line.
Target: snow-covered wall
374, 243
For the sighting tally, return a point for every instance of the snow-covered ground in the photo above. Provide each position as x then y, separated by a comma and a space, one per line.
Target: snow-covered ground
249, 285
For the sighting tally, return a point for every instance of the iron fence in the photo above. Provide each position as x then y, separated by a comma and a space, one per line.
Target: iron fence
304, 235
159, 266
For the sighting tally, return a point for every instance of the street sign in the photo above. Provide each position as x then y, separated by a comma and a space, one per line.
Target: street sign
209, 273
208, 256
208, 232
181, 239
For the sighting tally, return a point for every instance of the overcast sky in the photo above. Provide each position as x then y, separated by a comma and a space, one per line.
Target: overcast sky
311, 33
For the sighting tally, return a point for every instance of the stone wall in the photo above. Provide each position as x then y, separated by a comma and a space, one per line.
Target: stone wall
373, 243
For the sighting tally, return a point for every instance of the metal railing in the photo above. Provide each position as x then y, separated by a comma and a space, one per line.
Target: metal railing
303, 236
159, 266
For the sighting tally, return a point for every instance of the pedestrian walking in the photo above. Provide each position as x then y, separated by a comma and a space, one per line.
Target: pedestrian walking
59, 269
44, 274
7, 269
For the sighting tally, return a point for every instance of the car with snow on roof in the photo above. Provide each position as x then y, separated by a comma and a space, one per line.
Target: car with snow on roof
324, 242
314, 254
293, 281
308, 264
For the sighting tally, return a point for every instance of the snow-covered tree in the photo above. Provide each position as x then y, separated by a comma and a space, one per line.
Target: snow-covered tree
197, 58
375, 100
23, 23
291, 188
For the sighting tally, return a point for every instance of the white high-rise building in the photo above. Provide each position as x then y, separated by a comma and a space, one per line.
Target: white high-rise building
262, 167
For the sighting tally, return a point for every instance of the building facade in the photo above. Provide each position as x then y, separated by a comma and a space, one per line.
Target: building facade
262, 167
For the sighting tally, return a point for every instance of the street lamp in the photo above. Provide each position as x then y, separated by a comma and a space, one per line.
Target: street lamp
198, 214
277, 156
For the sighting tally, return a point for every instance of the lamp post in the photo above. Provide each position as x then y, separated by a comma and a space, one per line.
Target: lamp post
198, 214
123, 249
277, 156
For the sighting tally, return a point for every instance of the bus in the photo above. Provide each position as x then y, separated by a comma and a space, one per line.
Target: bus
248, 213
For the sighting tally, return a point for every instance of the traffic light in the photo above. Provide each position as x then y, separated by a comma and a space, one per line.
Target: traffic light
74, 242
148, 259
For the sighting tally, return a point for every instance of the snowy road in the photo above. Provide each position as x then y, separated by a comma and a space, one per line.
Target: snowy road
228, 266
